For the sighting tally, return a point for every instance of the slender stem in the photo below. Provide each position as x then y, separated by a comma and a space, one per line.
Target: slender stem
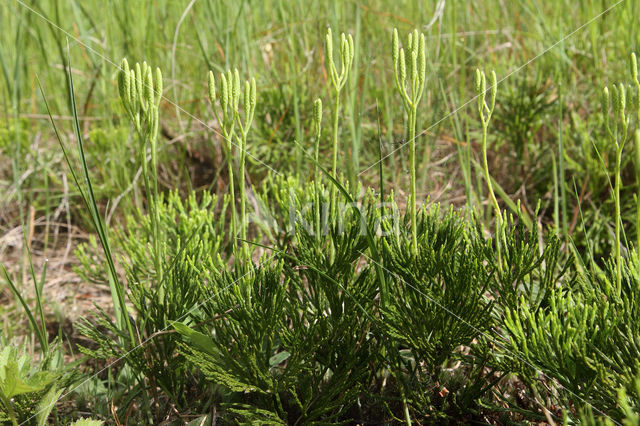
151, 184
145, 165
155, 211
492, 196
412, 170
334, 167
561, 169
618, 220
232, 193
316, 183
243, 213
407, 416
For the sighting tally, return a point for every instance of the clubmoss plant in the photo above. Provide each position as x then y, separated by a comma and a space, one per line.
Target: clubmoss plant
229, 99
411, 92
141, 92
485, 110
338, 80
617, 131
228, 118
249, 104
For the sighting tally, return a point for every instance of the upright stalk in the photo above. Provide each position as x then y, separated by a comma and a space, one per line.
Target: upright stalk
243, 205
317, 119
228, 119
411, 91
153, 143
561, 170
412, 183
338, 80
249, 105
485, 110
334, 138
141, 92
618, 219
232, 194
618, 134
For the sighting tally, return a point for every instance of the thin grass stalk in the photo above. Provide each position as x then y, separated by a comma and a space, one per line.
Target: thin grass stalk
298, 126
294, 68
117, 291
354, 103
636, 82
461, 148
637, 198
100, 228
39, 332
561, 171
556, 193
14, 89
381, 177
37, 287
317, 118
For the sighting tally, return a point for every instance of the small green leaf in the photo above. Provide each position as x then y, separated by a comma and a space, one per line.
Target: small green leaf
279, 358
13, 384
202, 341
46, 404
